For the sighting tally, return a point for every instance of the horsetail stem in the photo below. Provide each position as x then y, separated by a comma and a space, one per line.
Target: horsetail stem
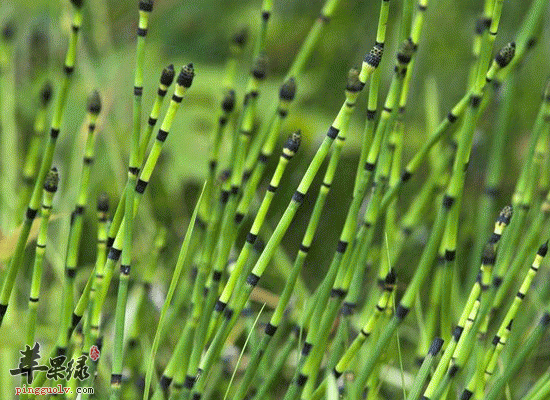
518, 361
286, 219
50, 187
35, 146
499, 340
77, 220
93, 314
287, 93
425, 368
145, 8
481, 285
353, 85
345, 361
295, 70
289, 150
34, 203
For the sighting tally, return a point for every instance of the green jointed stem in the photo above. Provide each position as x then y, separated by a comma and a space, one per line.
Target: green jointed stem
368, 328
93, 313
35, 147
286, 96
34, 203
480, 286
425, 369
369, 65
519, 358
296, 69
493, 175
145, 8
289, 150
50, 187
77, 221
166, 79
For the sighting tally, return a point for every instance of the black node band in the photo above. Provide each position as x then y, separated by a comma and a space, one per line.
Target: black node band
116, 379
348, 308
252, 279
70, 272
224, 196
177, 98
54, 133
301, 380
31, 213
125, 269
304, 249
239, 217
270, 329
475, 101
152, 121
161, 92
220, 306
138, 90
88, 160
68, 69
435, 347
448, 201
298, 197
161, 136
146, 6
332, 132
453, 370
457, 332
450, 255
33, 299
371, 114
251, 238
263, 158
114, 254
189, 382
141, 32
306, 349
401, 311
336, 373
337, 292
217, 276
466, 395
140, 186
341, 246
451, 117
271, 188
133, 170
165, 382
369, 166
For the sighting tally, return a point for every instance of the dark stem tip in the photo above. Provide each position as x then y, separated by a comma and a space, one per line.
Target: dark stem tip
46, 93
103, 202
259, 68
288, 90
543, 249
293, 141
186, 76
167, 76
228, 102
8, 31
52, 180
241, 37
391, 277
505, 55
94, 103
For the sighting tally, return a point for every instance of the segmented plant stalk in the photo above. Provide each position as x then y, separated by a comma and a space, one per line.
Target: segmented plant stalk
50, 187
77, 220
35, 147
283, 225
34, 203
166, 79
93, 313
289, 150
425, 369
